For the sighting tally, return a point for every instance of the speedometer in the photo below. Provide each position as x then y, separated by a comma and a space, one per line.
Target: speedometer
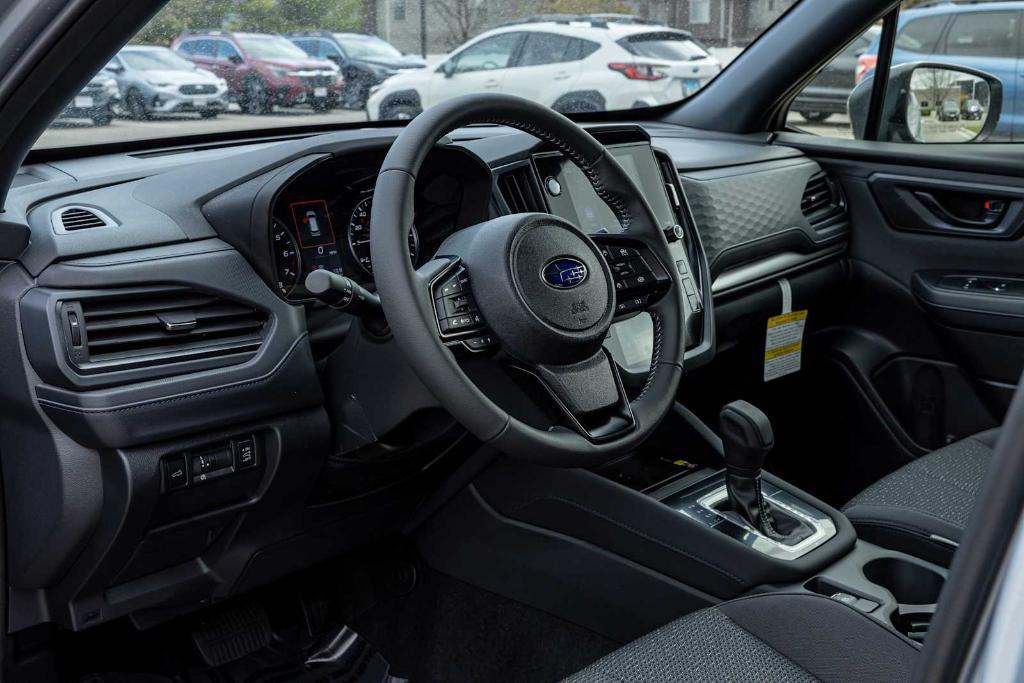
287, 264
359, 235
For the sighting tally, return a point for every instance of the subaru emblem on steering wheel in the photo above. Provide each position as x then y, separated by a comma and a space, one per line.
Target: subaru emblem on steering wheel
564, 273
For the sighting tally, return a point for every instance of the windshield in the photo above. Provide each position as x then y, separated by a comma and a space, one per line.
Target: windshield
367, 46
270, 47
389, 60
155, 60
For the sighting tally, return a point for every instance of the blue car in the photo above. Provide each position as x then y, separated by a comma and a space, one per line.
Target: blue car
983, 36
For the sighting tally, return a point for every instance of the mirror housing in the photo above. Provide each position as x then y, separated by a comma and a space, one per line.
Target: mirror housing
235, 59
902, 119
448, 68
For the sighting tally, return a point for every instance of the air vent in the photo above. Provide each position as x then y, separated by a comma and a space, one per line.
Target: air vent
73, 218
822, 200
159, 327
519, 189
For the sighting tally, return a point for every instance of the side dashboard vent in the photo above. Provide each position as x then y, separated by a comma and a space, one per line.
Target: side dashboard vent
145, 328
519, 189
72, 218
822, 200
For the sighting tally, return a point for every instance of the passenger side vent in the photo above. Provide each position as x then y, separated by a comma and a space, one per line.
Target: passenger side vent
72, 218
144, 328
822, 200
518, 187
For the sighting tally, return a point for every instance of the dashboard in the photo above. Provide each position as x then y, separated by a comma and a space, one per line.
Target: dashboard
188, 423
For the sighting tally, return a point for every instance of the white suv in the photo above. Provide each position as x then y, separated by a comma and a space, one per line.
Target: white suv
571, 66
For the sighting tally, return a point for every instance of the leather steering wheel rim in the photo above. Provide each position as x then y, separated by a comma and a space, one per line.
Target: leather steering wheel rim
408, 304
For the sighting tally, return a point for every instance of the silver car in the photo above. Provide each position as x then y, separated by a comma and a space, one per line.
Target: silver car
154, 80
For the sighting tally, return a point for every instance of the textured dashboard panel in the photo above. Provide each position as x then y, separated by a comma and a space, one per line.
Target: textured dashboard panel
737, 206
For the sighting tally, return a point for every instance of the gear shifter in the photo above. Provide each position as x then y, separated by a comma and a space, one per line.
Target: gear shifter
747, 439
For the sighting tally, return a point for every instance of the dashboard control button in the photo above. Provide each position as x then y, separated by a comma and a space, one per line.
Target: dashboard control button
481, 342
688, 286
682, 267
245, 453
624, 252
631, 304
175, 473
458, 304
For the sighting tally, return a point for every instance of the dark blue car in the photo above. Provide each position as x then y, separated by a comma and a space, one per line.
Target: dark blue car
984, 36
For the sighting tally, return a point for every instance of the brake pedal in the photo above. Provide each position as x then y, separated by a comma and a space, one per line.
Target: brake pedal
232, 634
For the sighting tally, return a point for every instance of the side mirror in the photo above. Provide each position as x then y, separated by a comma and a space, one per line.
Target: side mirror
336, 58
114, 69
963, 104
235, 59
448, 68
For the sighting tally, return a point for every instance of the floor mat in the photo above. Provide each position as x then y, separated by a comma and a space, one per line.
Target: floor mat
446, 630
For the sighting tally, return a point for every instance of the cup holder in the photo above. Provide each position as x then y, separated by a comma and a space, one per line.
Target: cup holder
909, 583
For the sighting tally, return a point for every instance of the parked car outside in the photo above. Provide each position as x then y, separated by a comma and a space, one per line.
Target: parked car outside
95, 101
264, 69
981, 36
949, 111
972, 110
365, 60
828, 93
154, 80
569, 65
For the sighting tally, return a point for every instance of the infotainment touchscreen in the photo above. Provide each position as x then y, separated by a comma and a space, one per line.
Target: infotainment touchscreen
571, 196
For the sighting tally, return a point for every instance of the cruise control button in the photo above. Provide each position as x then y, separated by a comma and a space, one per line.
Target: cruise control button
624, 252
459, 322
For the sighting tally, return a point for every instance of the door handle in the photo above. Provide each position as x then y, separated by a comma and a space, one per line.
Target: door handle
561, 76
990, 220
491, 83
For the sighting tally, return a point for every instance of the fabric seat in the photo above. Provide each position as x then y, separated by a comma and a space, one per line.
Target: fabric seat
923, 507
792, 637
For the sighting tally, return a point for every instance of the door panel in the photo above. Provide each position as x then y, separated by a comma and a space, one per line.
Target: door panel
933, 334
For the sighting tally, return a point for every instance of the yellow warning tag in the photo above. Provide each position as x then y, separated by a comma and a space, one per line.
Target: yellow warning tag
784, 343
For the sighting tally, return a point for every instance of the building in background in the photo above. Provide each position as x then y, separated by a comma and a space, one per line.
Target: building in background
450, 23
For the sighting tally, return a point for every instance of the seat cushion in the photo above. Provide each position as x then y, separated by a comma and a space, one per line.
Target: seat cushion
791, 637
923, 507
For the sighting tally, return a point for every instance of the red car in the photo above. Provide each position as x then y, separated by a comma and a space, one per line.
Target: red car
263, 69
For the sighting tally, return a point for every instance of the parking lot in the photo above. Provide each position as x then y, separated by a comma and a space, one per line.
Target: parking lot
71, 132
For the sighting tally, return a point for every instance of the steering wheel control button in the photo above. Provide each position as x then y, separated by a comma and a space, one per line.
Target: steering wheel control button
637, 283
245, 453
175, 473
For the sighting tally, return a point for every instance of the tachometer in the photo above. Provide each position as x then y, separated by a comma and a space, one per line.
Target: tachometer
287, 263
359, 235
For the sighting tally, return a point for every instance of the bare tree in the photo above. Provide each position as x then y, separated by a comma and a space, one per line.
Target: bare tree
464, 18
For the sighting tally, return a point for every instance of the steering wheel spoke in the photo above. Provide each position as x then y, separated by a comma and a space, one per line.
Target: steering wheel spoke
589, 395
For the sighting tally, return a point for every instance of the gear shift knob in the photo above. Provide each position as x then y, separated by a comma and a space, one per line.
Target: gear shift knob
747, 440
747, 437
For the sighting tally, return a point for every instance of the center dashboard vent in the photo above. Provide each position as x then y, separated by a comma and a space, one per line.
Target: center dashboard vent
72, 218
145, 328
518, 187
822, 200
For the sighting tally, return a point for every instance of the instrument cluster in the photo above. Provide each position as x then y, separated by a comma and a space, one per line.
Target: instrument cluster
321, 220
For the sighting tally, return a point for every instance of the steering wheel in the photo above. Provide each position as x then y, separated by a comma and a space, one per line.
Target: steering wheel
543, 288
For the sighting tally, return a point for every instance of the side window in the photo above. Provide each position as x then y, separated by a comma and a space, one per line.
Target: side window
186, 47
329, 50
587, 48
226, 50
982, 34
205, 48
489, 54
921, 35
545, 48
821, 107
310, 47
